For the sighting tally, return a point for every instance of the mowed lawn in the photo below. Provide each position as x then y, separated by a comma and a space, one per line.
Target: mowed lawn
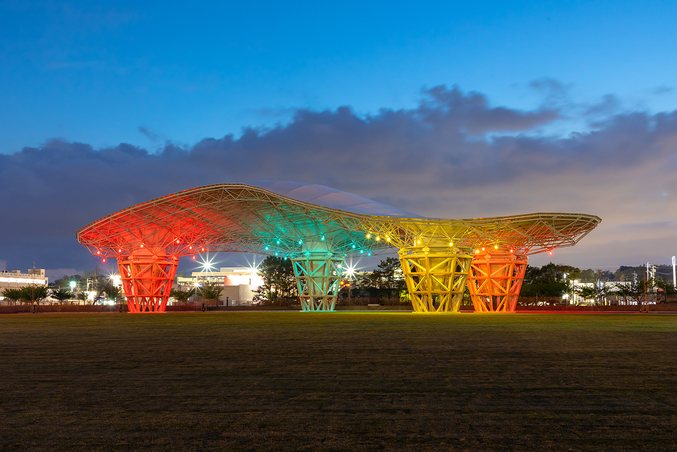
338, 381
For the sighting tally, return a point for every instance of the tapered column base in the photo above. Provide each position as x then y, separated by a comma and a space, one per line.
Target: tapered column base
147, 281
435, 277
495, 279
318, 277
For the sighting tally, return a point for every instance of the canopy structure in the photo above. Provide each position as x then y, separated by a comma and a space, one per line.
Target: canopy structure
318, 227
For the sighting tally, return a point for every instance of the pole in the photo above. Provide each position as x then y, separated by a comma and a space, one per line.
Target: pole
674, 273
646, 277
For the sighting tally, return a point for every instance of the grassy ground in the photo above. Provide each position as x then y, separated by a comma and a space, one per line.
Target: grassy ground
342, 381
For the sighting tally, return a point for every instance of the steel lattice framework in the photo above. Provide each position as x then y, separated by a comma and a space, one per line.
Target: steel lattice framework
436, 254
495, 279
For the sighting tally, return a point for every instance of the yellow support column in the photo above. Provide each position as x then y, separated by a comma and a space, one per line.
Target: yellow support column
435, 276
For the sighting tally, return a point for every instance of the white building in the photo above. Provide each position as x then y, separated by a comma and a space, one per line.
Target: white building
608, 286
16, 280
239, 283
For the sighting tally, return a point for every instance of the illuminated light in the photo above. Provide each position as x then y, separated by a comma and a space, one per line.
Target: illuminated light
323, 238
368, 236
495, 247
276, 254
350, 270
387, 239
550, 253
369, 253
190, 247
98, 252
203, 249
511, 250
119, 251
378, 238
482, 248
142, 245
451, 243
178, 241
361, 251
266, 248
418, 242
103, 260
285, 258
353, 246
278, 242
194, 257
300, 242
477, 251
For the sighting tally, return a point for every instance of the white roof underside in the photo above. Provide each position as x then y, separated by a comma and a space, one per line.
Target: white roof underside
331, 198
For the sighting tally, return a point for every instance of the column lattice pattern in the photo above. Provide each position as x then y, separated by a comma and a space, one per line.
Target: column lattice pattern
495, 280
435, 277
147, 282
318, 279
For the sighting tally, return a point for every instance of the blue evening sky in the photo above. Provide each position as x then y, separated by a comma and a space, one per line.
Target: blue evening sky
104, 72
445, 109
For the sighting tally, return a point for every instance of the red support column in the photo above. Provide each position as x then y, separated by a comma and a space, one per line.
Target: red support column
495, 279
147, 281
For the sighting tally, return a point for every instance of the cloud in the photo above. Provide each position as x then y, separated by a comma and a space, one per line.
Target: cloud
663, 89
152, 136
454, 155
57, 273
609, 104
555, 93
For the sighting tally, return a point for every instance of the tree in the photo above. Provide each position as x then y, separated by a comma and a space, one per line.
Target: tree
211, 292
624, 291
665, 287
182, 296
62, 295
82, 296
386, 278
278, 279
643, 289
33, 294
588, 276
587, 292
12, 295
547, 281
110, 291
625, 273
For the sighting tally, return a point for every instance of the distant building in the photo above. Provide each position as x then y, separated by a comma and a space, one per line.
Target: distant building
239, 283
16, 280
608, 286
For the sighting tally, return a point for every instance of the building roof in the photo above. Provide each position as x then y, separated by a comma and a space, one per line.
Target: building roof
288, 218
329, 197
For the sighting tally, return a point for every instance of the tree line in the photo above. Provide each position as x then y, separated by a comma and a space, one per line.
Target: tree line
386, 284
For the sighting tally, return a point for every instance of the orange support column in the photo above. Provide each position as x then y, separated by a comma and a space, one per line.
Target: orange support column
147, 281
495, 279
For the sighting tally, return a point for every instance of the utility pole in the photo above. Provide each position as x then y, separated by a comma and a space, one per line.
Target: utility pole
674, 273
646, 277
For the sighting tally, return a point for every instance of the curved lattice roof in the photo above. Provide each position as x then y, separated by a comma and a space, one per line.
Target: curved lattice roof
330, 197
287, 218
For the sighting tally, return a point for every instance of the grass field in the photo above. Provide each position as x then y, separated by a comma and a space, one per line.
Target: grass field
338, 381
